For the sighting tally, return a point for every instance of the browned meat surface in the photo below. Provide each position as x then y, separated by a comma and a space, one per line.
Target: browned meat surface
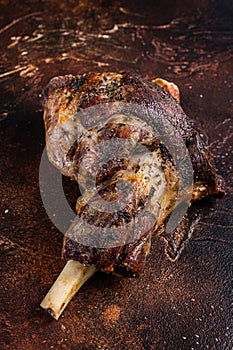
141, 180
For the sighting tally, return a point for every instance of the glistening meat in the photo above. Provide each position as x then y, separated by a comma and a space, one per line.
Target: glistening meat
121, 138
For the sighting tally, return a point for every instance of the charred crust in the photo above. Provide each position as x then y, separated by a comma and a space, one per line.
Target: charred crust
98, 88
78, 82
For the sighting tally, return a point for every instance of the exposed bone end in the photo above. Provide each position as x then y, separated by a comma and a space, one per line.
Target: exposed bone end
171, 88
70, 280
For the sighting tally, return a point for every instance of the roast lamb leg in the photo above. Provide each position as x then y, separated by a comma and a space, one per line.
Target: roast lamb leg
129, 176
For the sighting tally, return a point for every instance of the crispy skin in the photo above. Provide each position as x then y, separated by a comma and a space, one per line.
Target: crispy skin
72, 137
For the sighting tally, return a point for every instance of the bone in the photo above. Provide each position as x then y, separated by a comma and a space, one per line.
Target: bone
70, 280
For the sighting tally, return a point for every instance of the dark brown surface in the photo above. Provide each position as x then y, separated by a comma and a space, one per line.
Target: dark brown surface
182, 305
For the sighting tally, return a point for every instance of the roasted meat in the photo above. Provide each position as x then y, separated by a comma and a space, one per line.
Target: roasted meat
136, 157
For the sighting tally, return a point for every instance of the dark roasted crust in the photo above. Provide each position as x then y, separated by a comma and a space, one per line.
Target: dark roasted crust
128, 259
87, 92
74, 94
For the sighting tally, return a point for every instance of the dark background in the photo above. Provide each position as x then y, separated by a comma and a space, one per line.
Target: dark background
185, 305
